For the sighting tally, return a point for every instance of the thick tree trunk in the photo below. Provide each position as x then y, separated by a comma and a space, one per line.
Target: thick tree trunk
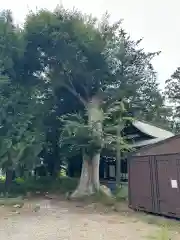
95, 172
89, 180
85, 184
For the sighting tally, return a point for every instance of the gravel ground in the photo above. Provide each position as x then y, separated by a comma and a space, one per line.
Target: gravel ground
56, 220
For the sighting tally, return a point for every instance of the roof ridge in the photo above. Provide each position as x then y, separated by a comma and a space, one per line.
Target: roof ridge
152, 124
152, 130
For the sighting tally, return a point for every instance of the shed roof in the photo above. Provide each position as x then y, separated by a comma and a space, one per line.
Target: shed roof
165, 146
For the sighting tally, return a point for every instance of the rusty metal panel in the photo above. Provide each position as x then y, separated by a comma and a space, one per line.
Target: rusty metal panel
140, 187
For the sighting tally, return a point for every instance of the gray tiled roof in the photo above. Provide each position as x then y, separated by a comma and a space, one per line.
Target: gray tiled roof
152, 131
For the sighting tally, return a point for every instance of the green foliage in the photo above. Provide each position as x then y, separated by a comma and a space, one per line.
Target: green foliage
172, 91
104, 63
173, 86
20, 135
67, 184
41, 185
115, 120
79, 136
78, 63
51, 69
19, 131
10, 50
105, 59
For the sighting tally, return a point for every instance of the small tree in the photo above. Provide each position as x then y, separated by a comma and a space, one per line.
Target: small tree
172, 93
80, 136
21, 135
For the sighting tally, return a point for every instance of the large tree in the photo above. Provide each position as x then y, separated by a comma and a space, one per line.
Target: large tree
75, 63
97, 63
64, 62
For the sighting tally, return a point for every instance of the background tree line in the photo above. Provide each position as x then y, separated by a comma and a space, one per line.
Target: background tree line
65, 79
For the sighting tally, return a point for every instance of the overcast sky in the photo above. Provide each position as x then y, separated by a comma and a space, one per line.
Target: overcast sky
155, 20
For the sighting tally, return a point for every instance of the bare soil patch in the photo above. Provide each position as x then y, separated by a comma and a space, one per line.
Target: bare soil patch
54, 219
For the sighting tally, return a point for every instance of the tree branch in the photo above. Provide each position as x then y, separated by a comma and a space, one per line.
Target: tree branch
75, 93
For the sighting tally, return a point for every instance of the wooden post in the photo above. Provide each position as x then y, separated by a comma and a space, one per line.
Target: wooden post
118, 156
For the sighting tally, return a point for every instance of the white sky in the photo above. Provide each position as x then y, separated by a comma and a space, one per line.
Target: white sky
155, 20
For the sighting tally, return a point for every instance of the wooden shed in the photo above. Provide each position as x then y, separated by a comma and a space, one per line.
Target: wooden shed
154, 178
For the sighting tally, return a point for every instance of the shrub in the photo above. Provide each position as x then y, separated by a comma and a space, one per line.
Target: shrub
67, 184
2, 178
21, 186
19, 180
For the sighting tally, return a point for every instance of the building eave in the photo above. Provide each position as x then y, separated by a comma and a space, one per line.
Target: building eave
151, 130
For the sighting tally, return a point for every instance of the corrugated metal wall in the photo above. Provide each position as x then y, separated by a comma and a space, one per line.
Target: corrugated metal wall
168, 146
154, 184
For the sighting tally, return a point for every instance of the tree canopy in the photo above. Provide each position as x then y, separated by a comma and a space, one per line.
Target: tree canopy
64, 77
172, 91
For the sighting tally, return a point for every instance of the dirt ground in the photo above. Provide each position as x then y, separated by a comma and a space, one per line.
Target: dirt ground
45, 219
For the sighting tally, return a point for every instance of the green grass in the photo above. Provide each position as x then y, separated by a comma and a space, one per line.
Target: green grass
160, 221
162, 234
